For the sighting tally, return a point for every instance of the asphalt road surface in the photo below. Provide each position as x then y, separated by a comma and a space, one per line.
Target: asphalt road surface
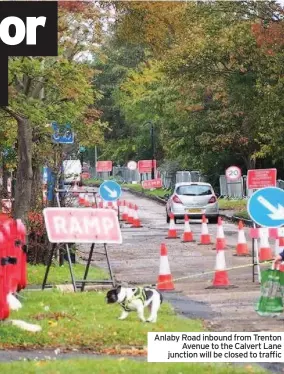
136, 261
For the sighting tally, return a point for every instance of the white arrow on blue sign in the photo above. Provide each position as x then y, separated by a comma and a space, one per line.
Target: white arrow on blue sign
110, 191
266, 207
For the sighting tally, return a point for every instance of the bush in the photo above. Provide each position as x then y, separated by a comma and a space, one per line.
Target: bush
38, 246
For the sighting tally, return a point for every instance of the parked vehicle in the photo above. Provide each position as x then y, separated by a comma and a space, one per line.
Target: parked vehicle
193, 199
72, 170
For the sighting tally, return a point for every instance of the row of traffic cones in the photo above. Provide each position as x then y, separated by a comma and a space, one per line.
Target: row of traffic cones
130, 214
165, 280
205, 237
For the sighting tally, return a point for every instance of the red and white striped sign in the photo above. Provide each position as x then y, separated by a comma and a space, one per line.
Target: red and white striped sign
273, 233
82, 225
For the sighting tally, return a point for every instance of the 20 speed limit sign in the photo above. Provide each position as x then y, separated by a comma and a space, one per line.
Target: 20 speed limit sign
233, 173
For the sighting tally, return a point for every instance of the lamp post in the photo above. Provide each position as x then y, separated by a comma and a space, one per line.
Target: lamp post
152, 148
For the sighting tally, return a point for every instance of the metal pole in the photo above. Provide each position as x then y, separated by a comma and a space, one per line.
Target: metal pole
153, 150
88, 266
96, 160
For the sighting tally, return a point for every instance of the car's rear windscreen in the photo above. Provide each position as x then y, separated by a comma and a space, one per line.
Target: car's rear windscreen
194, 190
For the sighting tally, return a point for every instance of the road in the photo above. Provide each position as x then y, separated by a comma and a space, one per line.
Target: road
136, 261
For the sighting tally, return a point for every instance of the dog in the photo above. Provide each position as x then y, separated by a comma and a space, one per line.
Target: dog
136, 299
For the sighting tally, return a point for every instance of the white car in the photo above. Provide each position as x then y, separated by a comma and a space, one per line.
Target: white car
194, 200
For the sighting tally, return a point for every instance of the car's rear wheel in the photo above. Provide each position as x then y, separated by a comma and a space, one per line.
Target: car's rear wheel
213, 219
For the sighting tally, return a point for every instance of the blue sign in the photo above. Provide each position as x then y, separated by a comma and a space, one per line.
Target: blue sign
266, 207
62, 134
110, 191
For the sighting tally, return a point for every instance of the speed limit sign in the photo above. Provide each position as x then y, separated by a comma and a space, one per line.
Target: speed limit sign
233, 173
132, 165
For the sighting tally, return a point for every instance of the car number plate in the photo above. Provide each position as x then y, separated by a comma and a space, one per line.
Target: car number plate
194, 210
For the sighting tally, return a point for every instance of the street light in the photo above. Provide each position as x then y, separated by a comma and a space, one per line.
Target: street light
152, 148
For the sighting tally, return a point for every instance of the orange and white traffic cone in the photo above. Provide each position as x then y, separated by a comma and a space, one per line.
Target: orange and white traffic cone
187, 235
109, 204
265, 252
125, 211
101, 205
172, 232
242, 246
221, 279
130, 214
220, 237
165, 280
81, 199
136, 220
205, 238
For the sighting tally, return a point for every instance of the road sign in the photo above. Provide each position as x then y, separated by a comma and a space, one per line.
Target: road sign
233, 173
145, 166
260, 178
82, 225
152, 183
110, 191
86, 175
132, 165
62, 134
104, 166
266, 207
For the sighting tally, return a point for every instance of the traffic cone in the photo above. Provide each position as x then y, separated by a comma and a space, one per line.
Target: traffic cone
130, 214
125, 211
187, 235
165, 280
172, 232
220, 237
101, 205
221, 279
109, 205
242, 247
136, 220
205, 238
265, 252
87, 202
81, 199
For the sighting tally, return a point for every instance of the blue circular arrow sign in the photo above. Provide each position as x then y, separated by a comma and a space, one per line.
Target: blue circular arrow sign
110, 191
266, 207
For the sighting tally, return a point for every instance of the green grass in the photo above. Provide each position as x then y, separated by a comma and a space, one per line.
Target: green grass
236, 205
242, 214
61, 274
84, 320
160, 192
120, 366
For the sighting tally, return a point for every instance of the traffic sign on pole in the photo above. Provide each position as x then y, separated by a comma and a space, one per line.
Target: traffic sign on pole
261, 178
82, 225
233, 173
132, 165
103, 166
145, 166
62, 134
266, 207
110, 191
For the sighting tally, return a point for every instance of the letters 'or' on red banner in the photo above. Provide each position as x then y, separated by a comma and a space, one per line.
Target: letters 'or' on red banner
261, 178
145, 166
152, 183
82, 225
104, 166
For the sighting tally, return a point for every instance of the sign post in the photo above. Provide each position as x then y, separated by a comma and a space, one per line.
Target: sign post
81, 225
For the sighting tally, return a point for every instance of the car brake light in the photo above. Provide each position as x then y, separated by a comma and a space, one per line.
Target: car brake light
176, 200
212, 200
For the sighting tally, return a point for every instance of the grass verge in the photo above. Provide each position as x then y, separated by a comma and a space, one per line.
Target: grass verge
237, 205
122, 366
160, 192
85, 321
61, 274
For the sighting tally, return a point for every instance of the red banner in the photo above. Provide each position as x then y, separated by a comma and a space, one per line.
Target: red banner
152, 183
261, 178
145, 166
104, 166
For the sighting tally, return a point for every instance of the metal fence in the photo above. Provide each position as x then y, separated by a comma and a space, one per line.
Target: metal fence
238, 189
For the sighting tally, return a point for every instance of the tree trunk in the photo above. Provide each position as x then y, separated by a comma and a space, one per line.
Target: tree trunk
36, 196
24, 170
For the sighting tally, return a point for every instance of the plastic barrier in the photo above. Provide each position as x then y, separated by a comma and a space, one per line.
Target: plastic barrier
13, 261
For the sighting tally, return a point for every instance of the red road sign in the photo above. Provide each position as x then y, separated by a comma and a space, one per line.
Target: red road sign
82, 225
261, 178
104, 166
233, 173
145, 166
152, 183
